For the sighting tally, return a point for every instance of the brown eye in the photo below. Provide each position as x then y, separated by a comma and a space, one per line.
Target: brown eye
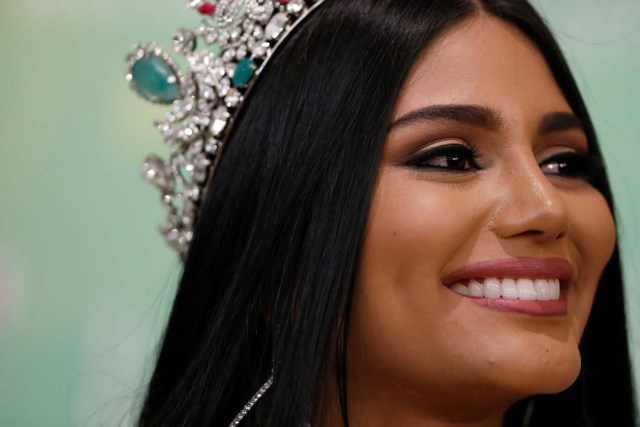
450, 158
568, 164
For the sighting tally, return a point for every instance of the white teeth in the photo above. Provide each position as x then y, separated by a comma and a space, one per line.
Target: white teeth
476, 289
492, 288
509, 289
555, 289
459, 288
543, 288
524, 289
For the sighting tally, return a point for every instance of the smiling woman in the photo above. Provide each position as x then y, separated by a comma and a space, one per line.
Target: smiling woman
411, 225
483, 188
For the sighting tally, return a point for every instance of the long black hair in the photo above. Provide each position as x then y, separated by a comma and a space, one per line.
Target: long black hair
267, 283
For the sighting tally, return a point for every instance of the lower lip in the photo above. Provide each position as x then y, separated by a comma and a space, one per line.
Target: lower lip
533, 308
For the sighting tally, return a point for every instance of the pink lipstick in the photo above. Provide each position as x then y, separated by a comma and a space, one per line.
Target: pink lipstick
534, 286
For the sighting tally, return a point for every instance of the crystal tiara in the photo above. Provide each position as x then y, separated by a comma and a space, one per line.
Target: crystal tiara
238, 38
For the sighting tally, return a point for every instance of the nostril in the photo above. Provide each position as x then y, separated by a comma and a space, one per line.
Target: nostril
559, 236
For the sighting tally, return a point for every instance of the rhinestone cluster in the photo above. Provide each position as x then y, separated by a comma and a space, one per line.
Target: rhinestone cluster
224, 55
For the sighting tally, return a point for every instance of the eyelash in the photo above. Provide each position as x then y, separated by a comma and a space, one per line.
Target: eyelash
449, 152
575, 165
567, 164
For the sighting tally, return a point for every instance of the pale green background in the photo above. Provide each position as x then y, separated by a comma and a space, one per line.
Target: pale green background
85, 280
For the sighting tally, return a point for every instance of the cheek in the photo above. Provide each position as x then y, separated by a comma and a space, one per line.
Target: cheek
593, 233
402, 319
592, 229
415, 228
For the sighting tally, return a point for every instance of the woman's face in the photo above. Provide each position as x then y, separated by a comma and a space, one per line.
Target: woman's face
484, 162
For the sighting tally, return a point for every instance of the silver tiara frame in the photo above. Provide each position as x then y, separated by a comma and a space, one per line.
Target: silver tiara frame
238, 38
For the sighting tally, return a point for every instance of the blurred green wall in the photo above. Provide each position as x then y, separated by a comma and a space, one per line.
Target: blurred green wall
85, 279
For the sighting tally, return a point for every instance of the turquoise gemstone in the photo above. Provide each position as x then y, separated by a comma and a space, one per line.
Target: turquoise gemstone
243, 72
154, 80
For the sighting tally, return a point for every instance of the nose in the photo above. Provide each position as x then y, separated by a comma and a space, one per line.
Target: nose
530, 205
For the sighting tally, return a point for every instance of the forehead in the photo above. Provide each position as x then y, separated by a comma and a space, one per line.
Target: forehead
485, 61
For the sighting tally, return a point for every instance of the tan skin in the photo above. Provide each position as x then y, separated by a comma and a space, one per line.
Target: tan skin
418, 353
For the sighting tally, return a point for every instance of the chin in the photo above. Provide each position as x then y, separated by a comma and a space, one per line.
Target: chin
547, 370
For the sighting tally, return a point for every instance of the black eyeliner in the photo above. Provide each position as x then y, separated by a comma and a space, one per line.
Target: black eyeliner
417, 160
580, 166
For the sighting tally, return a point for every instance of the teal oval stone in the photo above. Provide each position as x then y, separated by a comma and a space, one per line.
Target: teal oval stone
244, 71
154, 80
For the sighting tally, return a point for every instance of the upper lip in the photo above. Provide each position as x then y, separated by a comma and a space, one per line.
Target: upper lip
515, 268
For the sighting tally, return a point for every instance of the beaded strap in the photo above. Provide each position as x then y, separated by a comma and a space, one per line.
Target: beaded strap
245, 410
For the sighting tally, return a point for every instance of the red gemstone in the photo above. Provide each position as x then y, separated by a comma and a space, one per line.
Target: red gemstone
207, 9
283, 1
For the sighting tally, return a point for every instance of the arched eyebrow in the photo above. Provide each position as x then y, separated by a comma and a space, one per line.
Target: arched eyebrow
559, 121
484, 117
475, 115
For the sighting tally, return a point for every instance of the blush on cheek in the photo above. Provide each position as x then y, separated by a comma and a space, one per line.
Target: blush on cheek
416, 224
593, 229
593, 232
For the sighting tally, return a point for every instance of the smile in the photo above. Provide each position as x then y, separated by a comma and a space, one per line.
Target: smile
535, 286
524, 289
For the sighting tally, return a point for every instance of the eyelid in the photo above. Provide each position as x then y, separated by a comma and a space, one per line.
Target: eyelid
563, 155
562, 148
418, 159
435, 144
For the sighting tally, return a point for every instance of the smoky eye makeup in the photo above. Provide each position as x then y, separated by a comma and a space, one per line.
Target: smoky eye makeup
450, 157
572, 165
454, 156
